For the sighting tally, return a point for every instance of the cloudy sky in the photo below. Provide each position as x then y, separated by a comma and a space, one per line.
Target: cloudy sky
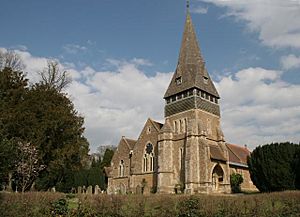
121, 55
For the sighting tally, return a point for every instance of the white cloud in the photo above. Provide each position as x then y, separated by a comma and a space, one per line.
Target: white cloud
290, 62
258, 107
199, 10
74, 48
118, 102
276, 21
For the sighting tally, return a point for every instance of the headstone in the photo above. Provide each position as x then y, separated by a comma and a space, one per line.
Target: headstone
97, 190
138, 189
53, 189
89, 190
83, 189
79, 190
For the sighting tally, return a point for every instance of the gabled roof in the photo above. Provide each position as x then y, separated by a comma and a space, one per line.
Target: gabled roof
129, 142
191, 66
216, 153
238, 154
156, 124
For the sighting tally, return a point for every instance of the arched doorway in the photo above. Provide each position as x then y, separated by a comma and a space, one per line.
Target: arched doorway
217, 177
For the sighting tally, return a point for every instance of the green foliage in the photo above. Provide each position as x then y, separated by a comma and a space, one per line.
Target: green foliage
60, 207
107, 158
43, 116
272, 167
236, 180
189, 207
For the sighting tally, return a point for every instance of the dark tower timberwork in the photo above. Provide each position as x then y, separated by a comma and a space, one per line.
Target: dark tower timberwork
191, 144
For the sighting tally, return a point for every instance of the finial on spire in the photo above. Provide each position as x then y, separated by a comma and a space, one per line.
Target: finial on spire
187, 4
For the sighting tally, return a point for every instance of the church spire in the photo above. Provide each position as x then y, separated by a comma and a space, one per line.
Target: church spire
190, 71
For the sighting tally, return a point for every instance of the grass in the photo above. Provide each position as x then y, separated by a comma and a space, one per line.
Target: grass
35, 204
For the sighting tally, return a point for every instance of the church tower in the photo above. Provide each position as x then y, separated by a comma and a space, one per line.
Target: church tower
192, 153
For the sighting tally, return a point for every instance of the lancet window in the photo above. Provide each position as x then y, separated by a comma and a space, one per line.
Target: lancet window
149, 159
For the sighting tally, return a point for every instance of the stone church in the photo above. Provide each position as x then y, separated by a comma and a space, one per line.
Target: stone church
188, 152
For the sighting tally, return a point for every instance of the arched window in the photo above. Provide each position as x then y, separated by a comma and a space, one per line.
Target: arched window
121, 168
148, 160
181, 158
181, 126
176, 126
145, 163
209, 130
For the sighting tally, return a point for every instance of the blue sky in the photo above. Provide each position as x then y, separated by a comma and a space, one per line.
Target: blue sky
102, 40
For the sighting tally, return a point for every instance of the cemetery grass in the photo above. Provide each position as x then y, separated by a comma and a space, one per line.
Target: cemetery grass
36, 204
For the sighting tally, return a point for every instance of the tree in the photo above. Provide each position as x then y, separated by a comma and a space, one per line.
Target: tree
13, 89
53, 77
272, 167
57, 130
7, 160
44, 116
236, 180
10, 59
108, 154
28, 166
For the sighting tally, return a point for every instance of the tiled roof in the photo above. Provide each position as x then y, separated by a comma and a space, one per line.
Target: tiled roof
237, 153
216, 153
191, 66
130, 142
158, 125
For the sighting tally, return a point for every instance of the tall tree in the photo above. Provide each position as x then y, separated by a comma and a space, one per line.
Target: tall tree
57, 129
272, 166
13, 89
44, 116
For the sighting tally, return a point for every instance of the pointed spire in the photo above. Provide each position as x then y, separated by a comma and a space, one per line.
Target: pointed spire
191, 66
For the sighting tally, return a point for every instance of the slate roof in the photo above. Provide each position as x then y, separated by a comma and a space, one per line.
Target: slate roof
238, 154
130, 142
157, 125
191, 66
216, 153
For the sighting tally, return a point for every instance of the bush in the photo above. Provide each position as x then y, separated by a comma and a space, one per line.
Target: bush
60, 207
236, 180
272, 167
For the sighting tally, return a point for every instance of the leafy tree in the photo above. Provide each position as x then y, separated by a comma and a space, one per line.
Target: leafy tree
236, 180
108, 154
272, 167
13, 89
42, 115
57, 130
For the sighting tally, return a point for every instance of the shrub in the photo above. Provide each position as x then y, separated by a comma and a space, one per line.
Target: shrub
236, 180
272, 167
60, 207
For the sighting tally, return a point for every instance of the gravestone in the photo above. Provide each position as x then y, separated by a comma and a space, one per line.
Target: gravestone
138, 190
79, 190
83, 189
53, 189
89, 190
97, 190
